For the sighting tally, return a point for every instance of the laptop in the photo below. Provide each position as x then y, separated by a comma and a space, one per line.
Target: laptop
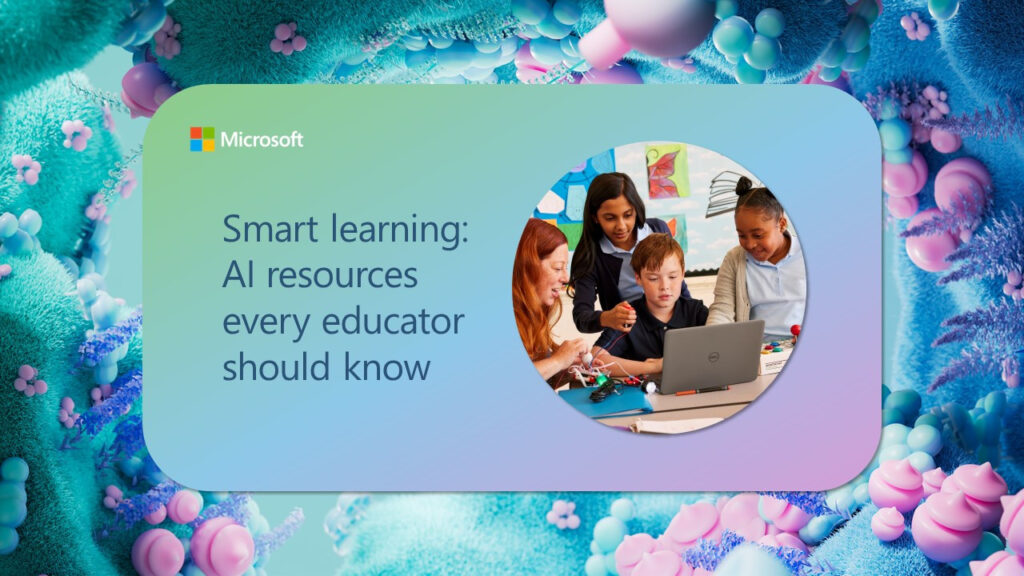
708, 357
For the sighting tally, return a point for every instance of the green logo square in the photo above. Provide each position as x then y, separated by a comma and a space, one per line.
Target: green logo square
208, 132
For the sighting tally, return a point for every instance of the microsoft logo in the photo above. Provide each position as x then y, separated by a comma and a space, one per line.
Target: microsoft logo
202, 138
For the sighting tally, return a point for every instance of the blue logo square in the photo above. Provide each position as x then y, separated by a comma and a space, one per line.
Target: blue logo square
196, 145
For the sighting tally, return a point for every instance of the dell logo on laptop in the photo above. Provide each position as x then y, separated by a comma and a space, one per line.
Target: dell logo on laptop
713, 357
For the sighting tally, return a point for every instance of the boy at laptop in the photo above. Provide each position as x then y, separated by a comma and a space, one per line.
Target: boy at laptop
658, 264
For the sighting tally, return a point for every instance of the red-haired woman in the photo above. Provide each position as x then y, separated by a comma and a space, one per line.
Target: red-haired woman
540, 273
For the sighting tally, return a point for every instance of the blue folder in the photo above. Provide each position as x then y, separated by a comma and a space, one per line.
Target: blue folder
630, 401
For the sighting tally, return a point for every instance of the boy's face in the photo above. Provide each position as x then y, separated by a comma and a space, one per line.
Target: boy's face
663, 285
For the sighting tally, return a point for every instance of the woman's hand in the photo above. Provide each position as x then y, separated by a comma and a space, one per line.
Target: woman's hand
569, 353
621, 318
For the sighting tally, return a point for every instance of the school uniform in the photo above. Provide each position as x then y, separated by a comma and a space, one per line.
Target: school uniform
606, 280
647, 337
748, 289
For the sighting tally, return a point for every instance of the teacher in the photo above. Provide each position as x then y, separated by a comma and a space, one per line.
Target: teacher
540, 273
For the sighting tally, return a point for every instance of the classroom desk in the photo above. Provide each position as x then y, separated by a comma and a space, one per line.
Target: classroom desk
719, 404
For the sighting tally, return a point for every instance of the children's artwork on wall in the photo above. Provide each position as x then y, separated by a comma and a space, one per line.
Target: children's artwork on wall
563, 204
683, 184
677, 227
705, 240
667, 171
576, 198
722, 197
572, 230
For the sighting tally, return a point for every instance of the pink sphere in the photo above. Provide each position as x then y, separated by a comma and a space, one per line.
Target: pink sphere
1012, 522
157, 516
946, 528
158, 552
184, 507
970, 166
741, 516
953, 189
928, 252
897, 484
1002, 563
222, 548
662, 28
945, 142
902, 179
162, 93
887, 524
902, 207
139, 87
920, 166
631, 551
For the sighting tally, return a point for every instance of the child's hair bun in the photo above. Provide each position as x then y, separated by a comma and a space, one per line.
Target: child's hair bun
743, 186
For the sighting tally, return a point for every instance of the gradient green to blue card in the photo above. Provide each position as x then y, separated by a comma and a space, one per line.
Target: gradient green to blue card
483, 420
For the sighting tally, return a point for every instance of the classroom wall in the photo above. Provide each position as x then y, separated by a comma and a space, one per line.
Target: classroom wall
674, 180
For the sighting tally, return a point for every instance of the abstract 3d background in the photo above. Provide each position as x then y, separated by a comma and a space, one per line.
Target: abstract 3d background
80, 495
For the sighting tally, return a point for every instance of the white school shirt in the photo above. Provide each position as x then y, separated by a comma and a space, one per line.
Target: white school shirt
778, 292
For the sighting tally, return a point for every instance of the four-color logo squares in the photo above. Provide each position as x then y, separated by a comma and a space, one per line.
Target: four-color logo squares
201, 138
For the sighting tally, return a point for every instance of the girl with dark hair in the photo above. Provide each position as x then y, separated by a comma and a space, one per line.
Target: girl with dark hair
614, 220
764, 278
540, 271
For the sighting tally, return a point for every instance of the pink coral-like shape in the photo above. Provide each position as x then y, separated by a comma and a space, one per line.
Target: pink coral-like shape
112, 496
916, 28
166, 39
561, 515
76, 134
67, 414
28, 382
97, 208
26, 169
100, 393
286, 40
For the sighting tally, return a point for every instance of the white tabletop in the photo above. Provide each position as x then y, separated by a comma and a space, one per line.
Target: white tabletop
717, 404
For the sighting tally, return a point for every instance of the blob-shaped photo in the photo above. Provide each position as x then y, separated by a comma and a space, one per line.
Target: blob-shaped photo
659, 287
